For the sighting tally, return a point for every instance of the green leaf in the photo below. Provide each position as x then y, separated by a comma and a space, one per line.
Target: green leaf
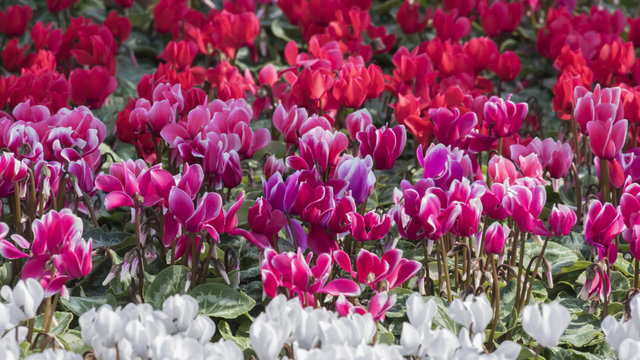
59, 324
170, 281
72, 341
558, 255
385, 336
80, 304
583, 330
243, 342
218, 300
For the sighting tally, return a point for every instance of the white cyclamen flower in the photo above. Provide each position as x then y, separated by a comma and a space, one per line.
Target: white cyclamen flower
474, 313
23, 300
419, 311
50, 354
546, 326
182, 310
617, 331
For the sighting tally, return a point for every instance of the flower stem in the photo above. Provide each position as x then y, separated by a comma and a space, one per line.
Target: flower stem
635, 274
604, 179
446, 269
496, 299
520, 266
533, 275
429, 283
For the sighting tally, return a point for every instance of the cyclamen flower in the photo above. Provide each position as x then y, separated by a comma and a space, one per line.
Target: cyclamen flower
57, 244
296, 122
496, 237
548, 325
451, 128
293, 273
607, 137
384, 145
443, 164
378, 306
320, 148
504, 116
12, 171
524, 205
556, 157
562, 220
369, 227
602, 224
599, 105
359, 174
419, 213
380, 273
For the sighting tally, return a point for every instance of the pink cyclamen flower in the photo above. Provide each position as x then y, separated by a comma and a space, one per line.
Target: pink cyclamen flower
602, 224
495, 239
467, 197
556, 157
320, 148
57, 248
601, 104
357, 121
293, 274
562, 220
265, 222
597, 284
385, 145
607, 137
369, 227
121, 184
525, 204
380, 273
451, 128
492, 202
296, 122
378, 306
502, 170
504, 116
419, 211
12, 171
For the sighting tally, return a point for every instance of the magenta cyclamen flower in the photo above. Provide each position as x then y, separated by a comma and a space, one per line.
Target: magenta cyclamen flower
292, 274
385, 145
378, 306
451, 128
58, 252
562, 220
502, 170
504, 117
630, 204
121, 184
495, 239
607, 137
380, 273
265, 222
602, 224
525, 204
369, 227
466, 197
443, 164
492, 202
320, 148
418, 211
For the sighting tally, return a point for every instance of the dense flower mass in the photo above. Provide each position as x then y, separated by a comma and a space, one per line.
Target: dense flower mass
313, 179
